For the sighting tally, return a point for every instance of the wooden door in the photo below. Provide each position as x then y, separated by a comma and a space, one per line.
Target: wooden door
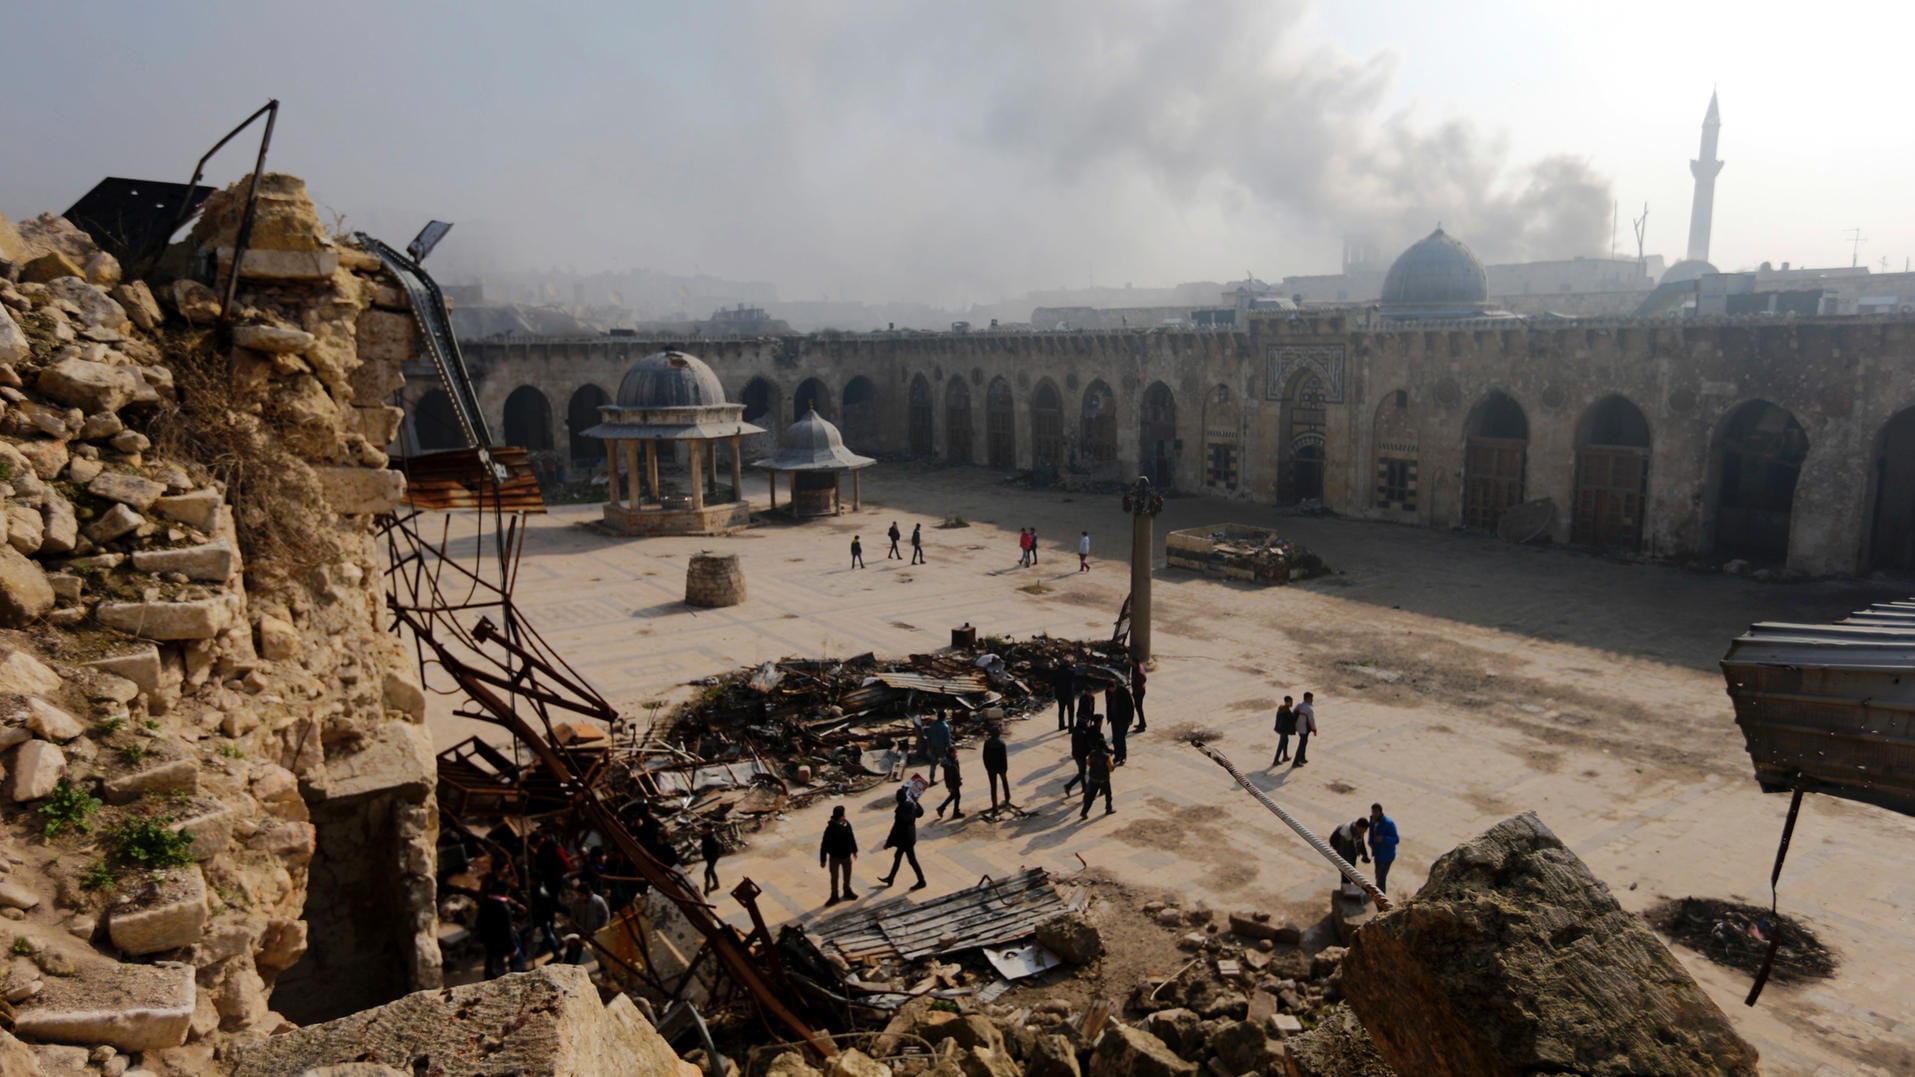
1492, 479
1610, 485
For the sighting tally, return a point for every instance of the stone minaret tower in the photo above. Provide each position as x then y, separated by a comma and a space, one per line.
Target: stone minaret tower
1704, 169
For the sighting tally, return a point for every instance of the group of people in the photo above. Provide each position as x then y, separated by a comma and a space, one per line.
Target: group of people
1368, 839
1299, 721
917, 545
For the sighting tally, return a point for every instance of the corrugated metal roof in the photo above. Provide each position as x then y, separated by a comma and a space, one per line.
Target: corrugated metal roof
992, 913
457, 479
959, 685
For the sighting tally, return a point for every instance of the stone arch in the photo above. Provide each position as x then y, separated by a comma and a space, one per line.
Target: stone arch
920, 417
435, 425
1098, 435
1755, 459
1495, 459
957, 421
581, 414
860, 425
760, 398
528, 420
1612, 475
811, 395
1000, 424
1157, 442
1891, 535
1395, 453
1047, 429
1303, 444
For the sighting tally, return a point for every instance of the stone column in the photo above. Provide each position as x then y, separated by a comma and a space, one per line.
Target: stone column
611, 470
651, 468
773, 475
696, 458
737, 469
857, 495
714, 468
1143, 504
631, 473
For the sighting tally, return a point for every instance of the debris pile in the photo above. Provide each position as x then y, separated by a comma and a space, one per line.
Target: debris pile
1737, 936
1242, 552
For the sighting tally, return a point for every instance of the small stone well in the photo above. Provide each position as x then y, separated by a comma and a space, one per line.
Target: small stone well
713, 580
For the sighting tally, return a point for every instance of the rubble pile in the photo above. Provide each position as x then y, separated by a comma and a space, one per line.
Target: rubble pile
189, 648
1242, 552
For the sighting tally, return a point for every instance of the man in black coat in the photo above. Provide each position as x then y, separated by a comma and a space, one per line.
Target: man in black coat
1064, 687
1286, 728
1117, 705
838, 849
997, 766
1081, 735
904, 838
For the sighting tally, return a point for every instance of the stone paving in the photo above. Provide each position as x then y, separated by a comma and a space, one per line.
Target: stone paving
1459, 681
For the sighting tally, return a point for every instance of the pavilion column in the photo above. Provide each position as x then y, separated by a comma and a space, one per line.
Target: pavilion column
774, 490
631, 472
697, 471
737, 471
611, 470
857, 497
651, 469
714, 469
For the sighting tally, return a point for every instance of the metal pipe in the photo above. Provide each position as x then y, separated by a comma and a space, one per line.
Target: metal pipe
252, 209
1349, 870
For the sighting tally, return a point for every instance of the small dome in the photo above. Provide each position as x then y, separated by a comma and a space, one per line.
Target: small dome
812, 434
1686, 270
670, 380
1436, 270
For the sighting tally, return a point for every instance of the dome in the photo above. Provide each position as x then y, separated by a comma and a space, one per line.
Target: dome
670, 380
1436, 270
1686, 270
812, 434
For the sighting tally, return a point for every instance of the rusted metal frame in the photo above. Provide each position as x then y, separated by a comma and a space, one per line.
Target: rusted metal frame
245, 235
727, 948
199, 173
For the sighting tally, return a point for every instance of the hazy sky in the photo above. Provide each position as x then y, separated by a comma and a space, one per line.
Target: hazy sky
893, 149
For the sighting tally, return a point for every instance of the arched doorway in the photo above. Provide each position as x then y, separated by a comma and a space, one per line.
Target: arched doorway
528, 420
920, 417
860, 426
1000, 425
1303, 445
811, 395
1047, 430
1891, 544
1157, 436
957, 422
1758, 456
435, 426
1393, 444
1099, 426
760, 399
1612, 476
1496, 454
581, 414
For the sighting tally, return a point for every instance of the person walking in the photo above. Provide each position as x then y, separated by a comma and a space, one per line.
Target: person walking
1023, 547
937, 743
493, 925
997, 766
904, 838
1097, 766
1286, 728
1306, 725
838, 849
590, 914
1086, 705
1033, 547
857, 552
1064, 689
1137, 680
1382, 845
953, 785
710, 849
1080, 748
894, 535
917, 544
1117, 704
543, 925
1083, 552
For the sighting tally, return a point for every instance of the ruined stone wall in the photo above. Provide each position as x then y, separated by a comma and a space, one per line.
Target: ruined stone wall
192, 644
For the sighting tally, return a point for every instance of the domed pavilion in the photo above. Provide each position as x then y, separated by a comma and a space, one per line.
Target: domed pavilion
1437, 278
812, 453
672, 398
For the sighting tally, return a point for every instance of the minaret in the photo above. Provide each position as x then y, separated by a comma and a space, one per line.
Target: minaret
1704, 169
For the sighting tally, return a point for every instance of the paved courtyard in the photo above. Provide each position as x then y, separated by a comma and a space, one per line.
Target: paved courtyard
1458, 680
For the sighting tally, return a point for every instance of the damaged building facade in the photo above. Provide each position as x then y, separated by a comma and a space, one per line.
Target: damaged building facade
1780, 442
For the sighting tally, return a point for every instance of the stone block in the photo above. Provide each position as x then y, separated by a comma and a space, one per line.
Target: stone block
138, 302
402, 693
397, 759
26, 528
36, 769
196, 302
1072, 938
386, 337
547, 1023
46, 456
163, 914
378, 425
132, 1007
272, 339
48, 267
16, 894
97, 308
24, 675
49, 722
197, 509
115, 523
60, 528
141, 665
1248, 926
25, 594
89, 386
14, 345
210, 561
211, 825
1128, 1051
135, 491
200, 618
359, 491
279, 641
168, 776
272, 265
1514, 959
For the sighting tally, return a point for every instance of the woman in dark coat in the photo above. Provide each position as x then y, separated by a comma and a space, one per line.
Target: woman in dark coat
904, 838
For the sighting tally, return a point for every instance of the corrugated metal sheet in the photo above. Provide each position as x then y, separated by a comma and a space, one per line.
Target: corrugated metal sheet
992, 913
1830, 707
959, 685
456, 479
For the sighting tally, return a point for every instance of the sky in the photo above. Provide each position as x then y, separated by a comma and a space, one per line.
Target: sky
897, 150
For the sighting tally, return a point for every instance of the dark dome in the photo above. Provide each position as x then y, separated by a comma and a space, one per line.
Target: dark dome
1435, 270
812, 434
1685, 270
670, 380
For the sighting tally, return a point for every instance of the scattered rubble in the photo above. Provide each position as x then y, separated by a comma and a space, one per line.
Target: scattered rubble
1242, 552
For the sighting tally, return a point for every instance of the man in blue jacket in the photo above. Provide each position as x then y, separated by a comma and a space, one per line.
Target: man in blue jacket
1382, 845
